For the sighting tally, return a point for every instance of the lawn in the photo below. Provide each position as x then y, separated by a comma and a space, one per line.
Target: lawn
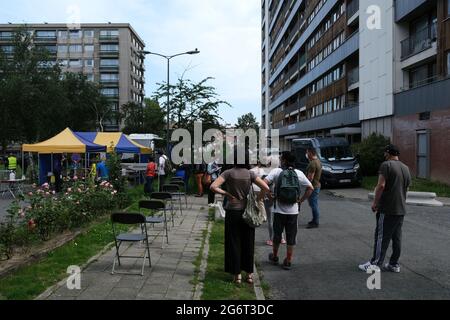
218, 284
30, 281
419, 185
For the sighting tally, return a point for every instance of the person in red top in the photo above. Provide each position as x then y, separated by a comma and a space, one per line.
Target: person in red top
150, 175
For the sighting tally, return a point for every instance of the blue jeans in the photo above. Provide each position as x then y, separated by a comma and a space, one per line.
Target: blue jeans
314, 204
149, 185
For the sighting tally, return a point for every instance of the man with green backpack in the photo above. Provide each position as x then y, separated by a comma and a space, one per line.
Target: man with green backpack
287, 200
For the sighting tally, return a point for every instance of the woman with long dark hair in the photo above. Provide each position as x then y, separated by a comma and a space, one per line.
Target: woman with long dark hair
239, 236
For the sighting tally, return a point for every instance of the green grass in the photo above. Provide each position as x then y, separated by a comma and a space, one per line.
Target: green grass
218, 284
29, 281
419, 185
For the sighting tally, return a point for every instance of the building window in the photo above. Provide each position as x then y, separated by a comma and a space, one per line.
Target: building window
62, 49
109, 33
109, 62
89, 33
89, 48
75, 34
62, 34
110, 91
89, 63
46, 34
448, 8
90, 77
75, 63
109, 77
75, 48
109, 47
64, 63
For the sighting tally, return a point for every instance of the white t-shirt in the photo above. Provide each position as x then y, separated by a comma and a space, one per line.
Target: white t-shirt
162, 166
259, 172
283, 208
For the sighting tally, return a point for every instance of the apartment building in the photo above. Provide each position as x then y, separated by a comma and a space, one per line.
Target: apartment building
349, 68
105, 53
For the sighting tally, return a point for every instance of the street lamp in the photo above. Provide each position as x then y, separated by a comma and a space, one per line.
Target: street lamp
168, 58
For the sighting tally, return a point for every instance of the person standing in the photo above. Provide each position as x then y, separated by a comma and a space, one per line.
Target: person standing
199, 172
57, 171
288, 182
390, 208
12, 162
314, 174
213, 170
239, 236
161, 170
259, 172
102, 170
150, 175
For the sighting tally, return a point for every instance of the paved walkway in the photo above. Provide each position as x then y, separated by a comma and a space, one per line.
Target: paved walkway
172, 273
326, 260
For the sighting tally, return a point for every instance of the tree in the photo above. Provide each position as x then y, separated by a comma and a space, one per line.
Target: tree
247, 121
370, 152
146, 118
191, 102
37, 100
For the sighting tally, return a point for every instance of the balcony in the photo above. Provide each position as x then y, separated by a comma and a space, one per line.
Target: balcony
109, 82
45, 39
109, 67
404, 8
430, 96
352, 10
419, 42
109, 53
109, 38
353, 79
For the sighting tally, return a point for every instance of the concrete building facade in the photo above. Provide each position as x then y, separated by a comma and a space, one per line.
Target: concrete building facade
105, 53
351, 68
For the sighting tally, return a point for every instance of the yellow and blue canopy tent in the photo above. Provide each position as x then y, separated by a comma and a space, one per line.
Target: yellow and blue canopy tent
115, 141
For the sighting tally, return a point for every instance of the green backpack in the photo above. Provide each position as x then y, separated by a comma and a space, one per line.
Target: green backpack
288, 187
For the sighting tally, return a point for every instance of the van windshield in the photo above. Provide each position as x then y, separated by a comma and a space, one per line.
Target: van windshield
336, 153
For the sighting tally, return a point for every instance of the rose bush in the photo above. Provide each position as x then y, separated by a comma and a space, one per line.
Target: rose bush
48, 213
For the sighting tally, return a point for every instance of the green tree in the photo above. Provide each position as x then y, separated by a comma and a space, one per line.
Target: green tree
191, 102
247, 121
370, 152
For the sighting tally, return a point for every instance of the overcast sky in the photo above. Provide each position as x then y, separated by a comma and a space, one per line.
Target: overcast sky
226, 32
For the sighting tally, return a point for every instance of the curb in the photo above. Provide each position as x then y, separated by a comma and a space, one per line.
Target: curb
258, 288
204, 264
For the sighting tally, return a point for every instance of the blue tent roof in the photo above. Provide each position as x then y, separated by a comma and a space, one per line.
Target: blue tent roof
122, 144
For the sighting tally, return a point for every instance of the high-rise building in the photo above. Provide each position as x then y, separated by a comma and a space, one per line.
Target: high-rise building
105, 53
350, 68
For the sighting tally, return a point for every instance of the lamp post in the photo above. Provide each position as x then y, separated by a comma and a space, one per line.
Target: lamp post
168, 58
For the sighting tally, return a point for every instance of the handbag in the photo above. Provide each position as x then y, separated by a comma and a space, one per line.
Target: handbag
252, 215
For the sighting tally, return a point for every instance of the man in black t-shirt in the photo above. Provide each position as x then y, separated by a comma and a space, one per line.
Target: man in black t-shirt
390, 207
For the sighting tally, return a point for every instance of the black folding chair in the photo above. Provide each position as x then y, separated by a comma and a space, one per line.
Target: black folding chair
182, 190
174, 190
166, 197
130, 219
158, 206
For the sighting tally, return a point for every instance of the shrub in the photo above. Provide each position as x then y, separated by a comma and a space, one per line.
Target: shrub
7, 230
370, 152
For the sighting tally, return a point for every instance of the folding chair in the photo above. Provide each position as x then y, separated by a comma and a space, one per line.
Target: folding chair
182, 186
158, 206
130, 219
174, 190
166, 197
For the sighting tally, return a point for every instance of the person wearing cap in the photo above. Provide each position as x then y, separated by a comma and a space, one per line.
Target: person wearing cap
390, 208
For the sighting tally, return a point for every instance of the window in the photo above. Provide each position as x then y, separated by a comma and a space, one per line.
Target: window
109, 62
448, 8
62, 34
89, 63
75, 48
62, 49
110, 91
46, 34
109, 77
64, 63
109, 33
90, 77
75, 34
109, 47
6, 34
75, 63
89, 48
89, 33
7, 49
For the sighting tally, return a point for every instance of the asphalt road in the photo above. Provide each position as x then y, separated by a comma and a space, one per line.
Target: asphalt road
326, 259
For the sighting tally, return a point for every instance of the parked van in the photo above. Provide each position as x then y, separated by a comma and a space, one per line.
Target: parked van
340, 166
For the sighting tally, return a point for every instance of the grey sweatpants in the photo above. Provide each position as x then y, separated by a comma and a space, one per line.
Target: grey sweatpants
389, 227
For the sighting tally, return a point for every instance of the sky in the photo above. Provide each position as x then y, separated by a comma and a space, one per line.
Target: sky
227, 33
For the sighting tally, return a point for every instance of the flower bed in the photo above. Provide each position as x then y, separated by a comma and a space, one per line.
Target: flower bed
48, 213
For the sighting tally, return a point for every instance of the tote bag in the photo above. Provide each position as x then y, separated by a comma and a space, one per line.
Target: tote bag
252, 215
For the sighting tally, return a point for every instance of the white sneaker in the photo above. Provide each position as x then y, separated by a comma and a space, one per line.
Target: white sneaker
368, 265
391, 268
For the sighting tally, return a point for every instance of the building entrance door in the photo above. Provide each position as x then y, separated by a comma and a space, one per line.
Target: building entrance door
423, 154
